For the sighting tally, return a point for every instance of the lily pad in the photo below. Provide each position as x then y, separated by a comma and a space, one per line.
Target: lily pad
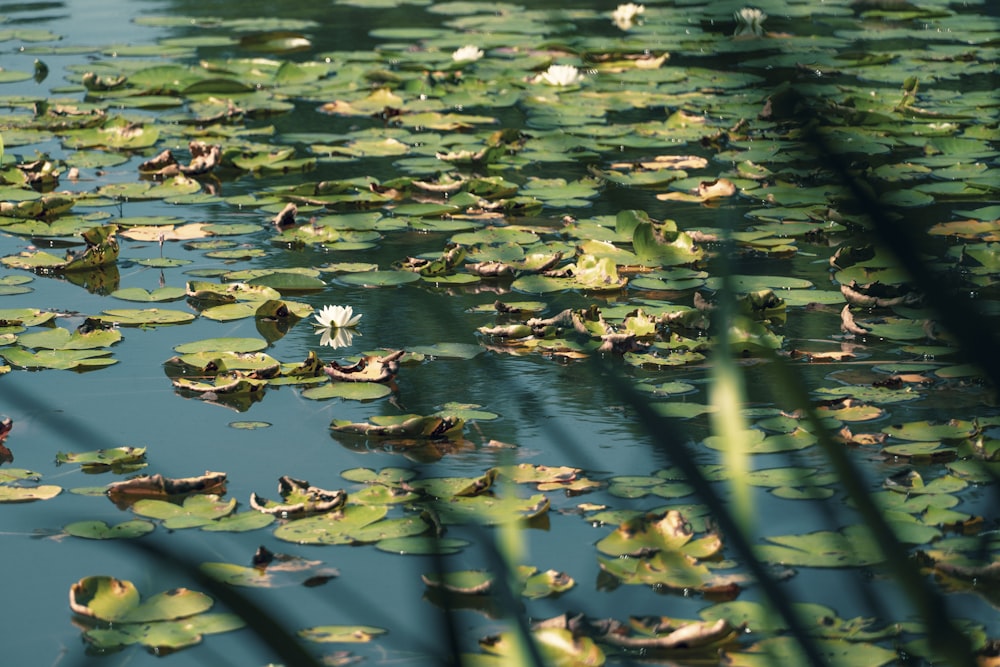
99, 530
341, 634
170, 620
354, 391
222, 345
852, 546
148, 296
197, 510
18, 485
378, 278
120, 459
149, 317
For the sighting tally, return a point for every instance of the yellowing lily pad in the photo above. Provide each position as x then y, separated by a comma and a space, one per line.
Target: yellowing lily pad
18, 485
167, 621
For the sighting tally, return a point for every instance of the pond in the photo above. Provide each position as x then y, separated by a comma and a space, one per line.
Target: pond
614, 312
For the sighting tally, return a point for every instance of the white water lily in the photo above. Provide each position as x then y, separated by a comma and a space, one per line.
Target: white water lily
749, 21
468, 53
335, 317
559, 75
624, 16
337, 337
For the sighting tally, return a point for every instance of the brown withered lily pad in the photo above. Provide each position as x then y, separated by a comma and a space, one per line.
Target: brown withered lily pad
849, 326
878, 295
6, 456
666, 634
367, 369
403, 426
233, 385
300, 498
703, 192
101, 250
285, 219
204, 158
158, 486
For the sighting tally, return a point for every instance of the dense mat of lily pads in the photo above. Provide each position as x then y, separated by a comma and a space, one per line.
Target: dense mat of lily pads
455, 131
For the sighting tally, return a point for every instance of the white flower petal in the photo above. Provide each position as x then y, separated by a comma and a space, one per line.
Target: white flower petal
337, 316
468, 53
560, 75
624, 15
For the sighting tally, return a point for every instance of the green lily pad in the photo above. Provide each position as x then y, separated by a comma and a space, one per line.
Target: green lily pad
332, 527
28, 317
491, 510
389, 476
99, 530
341, 634
148, 317
956, 429
852, 546
743, 284
115, 600
249, 425
197, 510
62, 339
288, 282
168, 621
354, 391
757, 442
788, 651
118, 459
422, 545
222, 345
378, 278
57, 359
466, 582
148, 296
447, 350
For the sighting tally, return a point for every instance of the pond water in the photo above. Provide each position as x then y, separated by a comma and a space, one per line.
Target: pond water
553, 402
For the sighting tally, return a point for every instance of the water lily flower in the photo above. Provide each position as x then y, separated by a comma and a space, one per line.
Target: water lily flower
337, 337
559, 75
749, 21
624, 16
335, 317
468, 53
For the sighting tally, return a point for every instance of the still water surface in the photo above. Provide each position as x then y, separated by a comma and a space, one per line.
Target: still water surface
555, 413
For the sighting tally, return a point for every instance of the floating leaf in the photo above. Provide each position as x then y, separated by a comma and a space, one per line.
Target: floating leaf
116, 600
354, 391
140, 294
341, 634
62, 339
378, 278
145, 318
124, 620
18, 485
117, 458
422, 545
852, 546
331, 528
222, 345
299, 498
197, 510
99, 530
